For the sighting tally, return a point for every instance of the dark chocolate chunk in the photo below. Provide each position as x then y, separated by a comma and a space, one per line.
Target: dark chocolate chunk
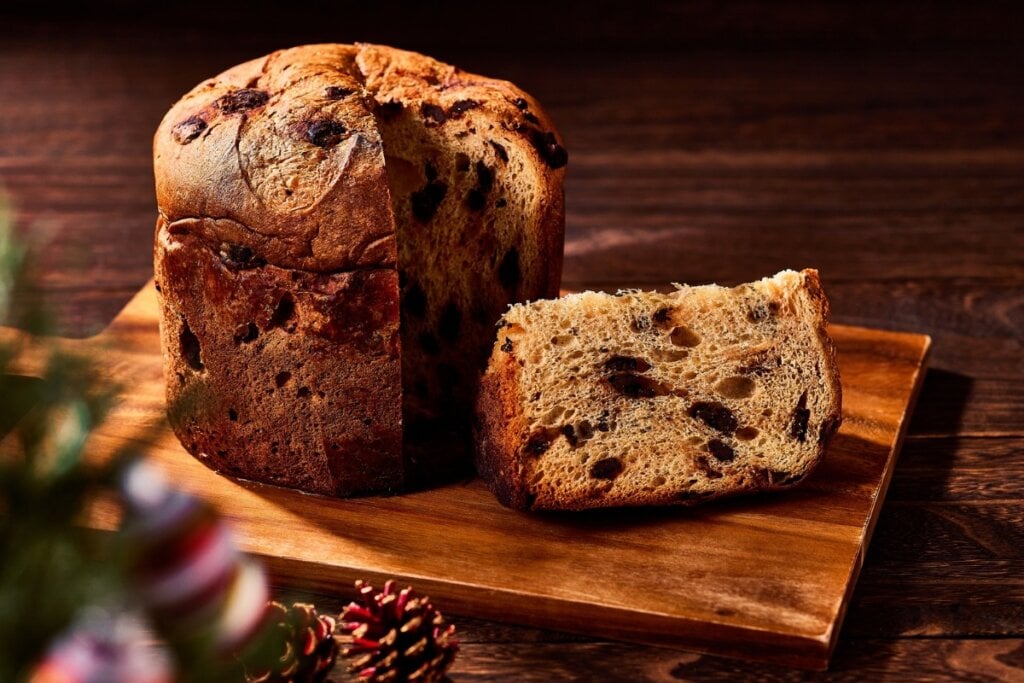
246, 333
636, 386
477, 197
499, 151
626, 364
232, 414
284, 314
485, 177
239, 257
521, 103
414, 300
506, 346
450, 322
336, 92
531, 118
606, 468
585, 429
721, 450
433, 113
798, 424
476, 200
461, 162
188, 130
714, 415
538, 442
390, 109
553, 154
461, 107
570, 435
241, 100
508, 271
324, 132
425, 202
428, 343
190, 349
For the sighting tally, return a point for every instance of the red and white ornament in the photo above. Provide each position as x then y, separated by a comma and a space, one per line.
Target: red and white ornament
106, 647
187, 569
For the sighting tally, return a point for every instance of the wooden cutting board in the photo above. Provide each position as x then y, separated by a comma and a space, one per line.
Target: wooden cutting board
765, 578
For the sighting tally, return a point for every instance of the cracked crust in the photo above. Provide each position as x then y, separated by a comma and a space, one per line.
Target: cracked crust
277, 261
264, 180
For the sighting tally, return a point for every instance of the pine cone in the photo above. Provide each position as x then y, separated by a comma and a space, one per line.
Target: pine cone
396, 636
303, 644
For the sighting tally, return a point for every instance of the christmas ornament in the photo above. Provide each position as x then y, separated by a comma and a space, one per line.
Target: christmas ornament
301, 644
174, 561
202, 592
105, 647
396, 636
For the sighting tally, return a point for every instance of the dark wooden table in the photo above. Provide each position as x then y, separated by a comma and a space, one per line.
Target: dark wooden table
882, 144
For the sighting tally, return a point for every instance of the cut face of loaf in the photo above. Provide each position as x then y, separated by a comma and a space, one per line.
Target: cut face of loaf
479, 226
598, 400
340, 227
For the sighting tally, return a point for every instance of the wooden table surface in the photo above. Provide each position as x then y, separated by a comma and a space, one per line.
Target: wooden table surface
880, 143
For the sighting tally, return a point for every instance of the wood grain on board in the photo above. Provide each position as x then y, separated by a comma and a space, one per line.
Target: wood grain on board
765, 577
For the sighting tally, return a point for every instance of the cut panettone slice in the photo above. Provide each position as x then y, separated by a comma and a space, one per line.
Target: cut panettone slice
641, 398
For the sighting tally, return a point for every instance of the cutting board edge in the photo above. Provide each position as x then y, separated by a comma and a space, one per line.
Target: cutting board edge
882, 490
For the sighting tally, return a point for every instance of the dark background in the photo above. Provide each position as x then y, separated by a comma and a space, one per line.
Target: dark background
881, 142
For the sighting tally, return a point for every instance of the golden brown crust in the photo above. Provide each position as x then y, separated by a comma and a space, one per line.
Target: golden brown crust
271, 182
831, 424
289, 166
501, 431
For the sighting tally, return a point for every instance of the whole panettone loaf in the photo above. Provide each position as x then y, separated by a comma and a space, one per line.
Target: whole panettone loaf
600, 400
340, 226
